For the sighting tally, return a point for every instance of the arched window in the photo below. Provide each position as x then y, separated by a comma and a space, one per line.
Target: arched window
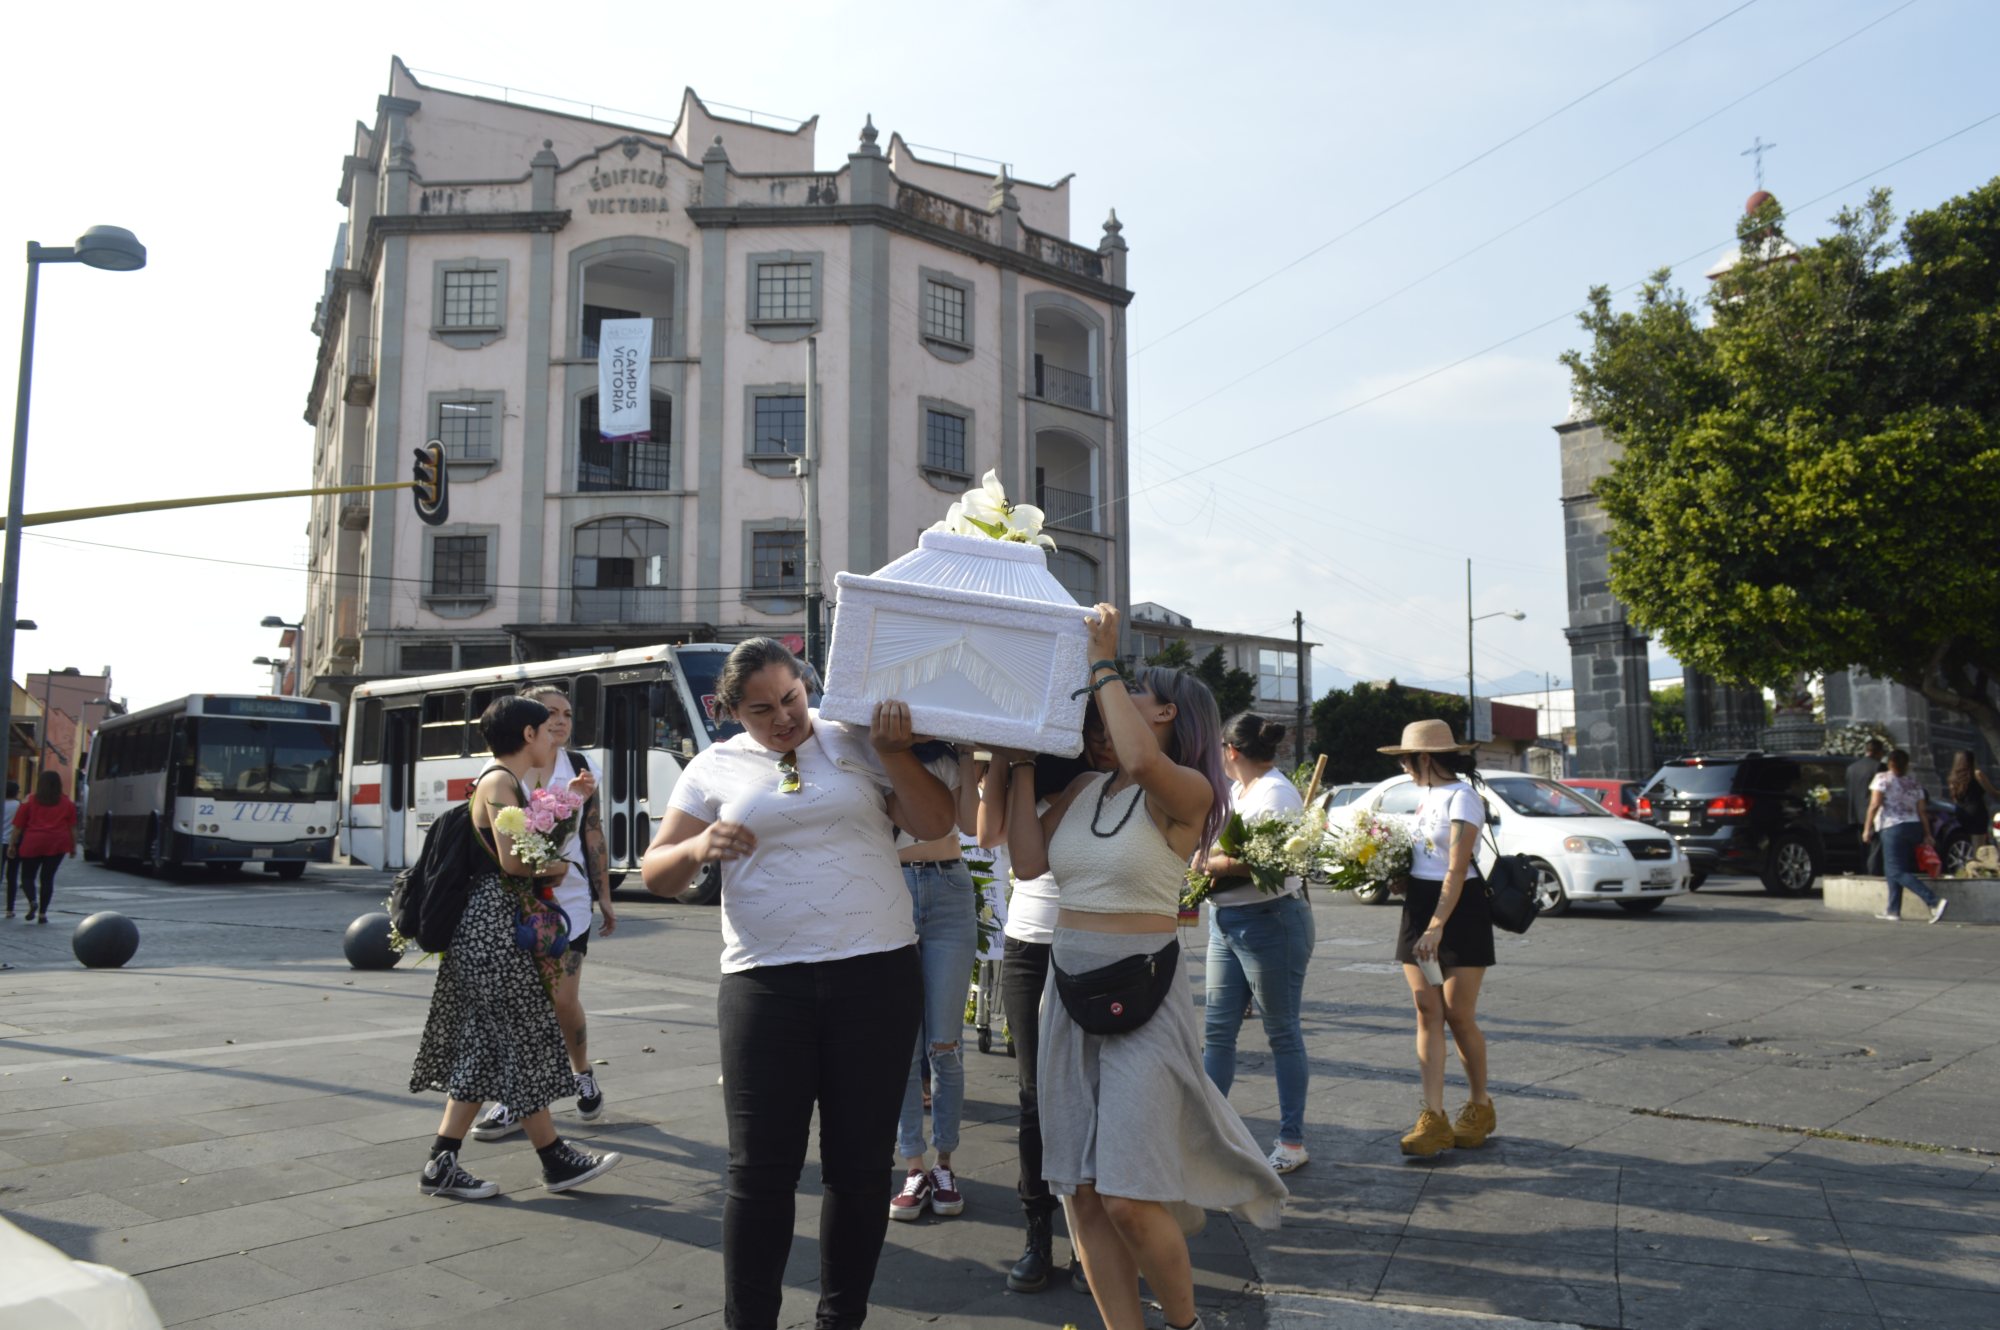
623, 465
1077, 573
1066, 480
619, 572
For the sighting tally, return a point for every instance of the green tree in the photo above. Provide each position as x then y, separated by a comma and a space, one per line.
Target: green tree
1350, 724
1811, 481
1174, 655
1670, 716
1234, 689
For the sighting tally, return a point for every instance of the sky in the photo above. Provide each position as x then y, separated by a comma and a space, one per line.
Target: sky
1358, 235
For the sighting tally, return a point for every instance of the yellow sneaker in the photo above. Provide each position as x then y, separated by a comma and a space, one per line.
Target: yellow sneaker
1475, 1123
1432, 1134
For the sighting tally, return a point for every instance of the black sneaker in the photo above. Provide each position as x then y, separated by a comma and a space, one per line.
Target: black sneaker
443, 1177
496, 1122
589, 1099
568, 1166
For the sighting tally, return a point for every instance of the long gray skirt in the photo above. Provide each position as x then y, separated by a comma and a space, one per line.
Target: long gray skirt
1134, 1114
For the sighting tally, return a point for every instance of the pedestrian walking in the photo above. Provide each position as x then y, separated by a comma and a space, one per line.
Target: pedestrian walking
1259, 944
588, 877
44, 832
1900, 814
1861, 772
1133, 1132
822, 991
1024, 975
13, 806
944, 910
1972, 790
492, 1035
1447, 924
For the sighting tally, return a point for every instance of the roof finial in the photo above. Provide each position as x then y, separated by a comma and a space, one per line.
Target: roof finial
1112, 226
868, 131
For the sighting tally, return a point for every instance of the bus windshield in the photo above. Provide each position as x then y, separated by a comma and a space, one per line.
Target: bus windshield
284, 761
702, 669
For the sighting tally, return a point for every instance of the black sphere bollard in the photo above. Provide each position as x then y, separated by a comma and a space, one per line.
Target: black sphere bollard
105, 941
366, 943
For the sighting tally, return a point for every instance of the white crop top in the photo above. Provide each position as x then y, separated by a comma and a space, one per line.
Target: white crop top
1130, 871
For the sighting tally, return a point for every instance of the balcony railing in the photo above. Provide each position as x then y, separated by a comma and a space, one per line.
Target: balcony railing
360, 388
1065, 387
1067, 507
663, 341
354, 507
623, 604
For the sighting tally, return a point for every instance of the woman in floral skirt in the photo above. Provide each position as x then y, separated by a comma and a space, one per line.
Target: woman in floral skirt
492, 1033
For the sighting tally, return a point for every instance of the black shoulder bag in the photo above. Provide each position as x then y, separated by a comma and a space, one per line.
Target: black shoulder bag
1120, 997
1511, 899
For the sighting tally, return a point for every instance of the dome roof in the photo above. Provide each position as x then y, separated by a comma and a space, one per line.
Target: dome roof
1756, 201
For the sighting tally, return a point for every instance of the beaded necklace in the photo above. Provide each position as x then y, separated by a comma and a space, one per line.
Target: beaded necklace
1104, 792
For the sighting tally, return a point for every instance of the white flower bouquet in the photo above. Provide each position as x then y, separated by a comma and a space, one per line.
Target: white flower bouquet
1274, 847
986, 512
1365, 849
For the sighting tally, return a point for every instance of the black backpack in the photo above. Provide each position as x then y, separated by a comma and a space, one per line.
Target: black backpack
428, 898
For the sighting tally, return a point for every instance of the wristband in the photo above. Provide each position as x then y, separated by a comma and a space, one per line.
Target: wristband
1097, 665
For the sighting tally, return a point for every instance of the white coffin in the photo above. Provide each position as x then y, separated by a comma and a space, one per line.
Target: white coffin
975, 634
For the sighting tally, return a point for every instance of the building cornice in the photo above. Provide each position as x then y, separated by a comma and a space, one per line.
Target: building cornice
894, 219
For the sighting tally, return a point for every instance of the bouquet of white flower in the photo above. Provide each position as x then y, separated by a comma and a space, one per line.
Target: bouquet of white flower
1366, 849
1274, 847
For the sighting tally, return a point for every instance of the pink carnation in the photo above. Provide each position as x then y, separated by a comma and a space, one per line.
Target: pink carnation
542, 819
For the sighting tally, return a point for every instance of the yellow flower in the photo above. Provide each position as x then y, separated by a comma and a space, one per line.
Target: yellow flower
1366, 852
512, 821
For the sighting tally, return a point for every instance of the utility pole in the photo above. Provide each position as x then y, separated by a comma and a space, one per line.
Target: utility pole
807, 469
1299, 626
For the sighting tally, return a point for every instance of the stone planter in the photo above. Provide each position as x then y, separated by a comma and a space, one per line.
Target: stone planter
1973, 900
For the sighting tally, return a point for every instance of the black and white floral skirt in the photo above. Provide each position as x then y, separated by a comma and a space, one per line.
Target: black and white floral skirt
492, 1035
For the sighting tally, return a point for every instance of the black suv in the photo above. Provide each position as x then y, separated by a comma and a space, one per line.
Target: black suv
1781, 816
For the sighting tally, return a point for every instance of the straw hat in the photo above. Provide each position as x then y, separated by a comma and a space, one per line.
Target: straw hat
1426, 736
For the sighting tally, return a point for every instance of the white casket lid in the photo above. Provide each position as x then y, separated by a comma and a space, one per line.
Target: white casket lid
978, 564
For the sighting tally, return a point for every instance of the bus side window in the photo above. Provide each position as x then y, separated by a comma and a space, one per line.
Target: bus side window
671, 730
368, 739
443, 733
586, 700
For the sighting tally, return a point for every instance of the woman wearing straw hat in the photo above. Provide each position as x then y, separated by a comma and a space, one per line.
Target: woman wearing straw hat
1447, 926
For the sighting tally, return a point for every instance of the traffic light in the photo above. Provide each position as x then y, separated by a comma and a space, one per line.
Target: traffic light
433, 485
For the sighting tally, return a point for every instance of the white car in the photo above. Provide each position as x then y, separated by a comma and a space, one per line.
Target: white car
1580, 850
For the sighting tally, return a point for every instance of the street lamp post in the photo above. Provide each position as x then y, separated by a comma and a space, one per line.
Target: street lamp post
114, 249
1471, 702
297, 644
277, 667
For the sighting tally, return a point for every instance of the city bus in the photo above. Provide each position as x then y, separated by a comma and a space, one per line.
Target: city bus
414, 747
219, 779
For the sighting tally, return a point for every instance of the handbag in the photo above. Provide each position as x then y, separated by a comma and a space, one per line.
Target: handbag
1511, 899
541, 928
1120, 997
1928, 862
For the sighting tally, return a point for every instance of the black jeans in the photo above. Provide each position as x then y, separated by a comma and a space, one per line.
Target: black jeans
833, 1033
34, 867
1023, 973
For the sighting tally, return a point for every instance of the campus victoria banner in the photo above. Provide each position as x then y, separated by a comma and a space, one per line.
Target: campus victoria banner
625, 379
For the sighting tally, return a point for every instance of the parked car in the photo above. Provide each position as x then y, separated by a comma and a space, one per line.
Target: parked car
1619, 797
1580, 852
1782, 817
1340, 796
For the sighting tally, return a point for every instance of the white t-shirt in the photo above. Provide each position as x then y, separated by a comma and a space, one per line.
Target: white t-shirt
1902, 796
1269, 793
1031, 909
573, 892
823, 883
1441, 806
7, 835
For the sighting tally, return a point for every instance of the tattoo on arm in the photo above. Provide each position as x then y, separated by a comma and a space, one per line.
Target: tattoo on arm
593, 848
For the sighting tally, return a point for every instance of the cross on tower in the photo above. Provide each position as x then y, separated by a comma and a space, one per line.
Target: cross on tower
1756, 150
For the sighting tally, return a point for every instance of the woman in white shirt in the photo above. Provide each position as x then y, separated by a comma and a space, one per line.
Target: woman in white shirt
13, 806
821, 991
1259, 943
1900, 814
1446, 922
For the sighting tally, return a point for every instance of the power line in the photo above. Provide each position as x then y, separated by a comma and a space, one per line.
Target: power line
1536, 215
1462, 166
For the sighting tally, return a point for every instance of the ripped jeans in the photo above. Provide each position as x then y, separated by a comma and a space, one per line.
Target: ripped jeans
944, 906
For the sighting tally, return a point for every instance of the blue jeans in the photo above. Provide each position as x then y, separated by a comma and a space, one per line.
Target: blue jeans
1261, 949
1899, 857
943, 905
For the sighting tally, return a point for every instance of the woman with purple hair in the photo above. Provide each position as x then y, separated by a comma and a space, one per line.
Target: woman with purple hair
1134, 1133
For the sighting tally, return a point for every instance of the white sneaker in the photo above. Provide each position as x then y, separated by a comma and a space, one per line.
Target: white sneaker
1287, 1158
589, 1098
496, 1122
1892, 918
1937, 911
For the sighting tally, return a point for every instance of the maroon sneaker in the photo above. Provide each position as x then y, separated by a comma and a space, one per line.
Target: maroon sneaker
909, 1203
945, 1199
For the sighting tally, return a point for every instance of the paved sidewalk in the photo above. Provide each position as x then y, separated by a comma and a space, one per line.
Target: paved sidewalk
1739, 1111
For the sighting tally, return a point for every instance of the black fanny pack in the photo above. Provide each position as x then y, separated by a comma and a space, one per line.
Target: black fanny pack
1120, 997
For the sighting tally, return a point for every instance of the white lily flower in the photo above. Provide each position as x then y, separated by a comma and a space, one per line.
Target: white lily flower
1024, 522
986, 505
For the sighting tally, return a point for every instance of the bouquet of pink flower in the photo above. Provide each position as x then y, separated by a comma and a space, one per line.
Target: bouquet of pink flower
542, 830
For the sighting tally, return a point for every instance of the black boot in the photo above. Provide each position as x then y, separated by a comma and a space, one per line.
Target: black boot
1031, 1273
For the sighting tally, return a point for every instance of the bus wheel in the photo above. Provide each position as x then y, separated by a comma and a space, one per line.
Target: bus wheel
289, 872
104, 844
616, 880
706, 889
